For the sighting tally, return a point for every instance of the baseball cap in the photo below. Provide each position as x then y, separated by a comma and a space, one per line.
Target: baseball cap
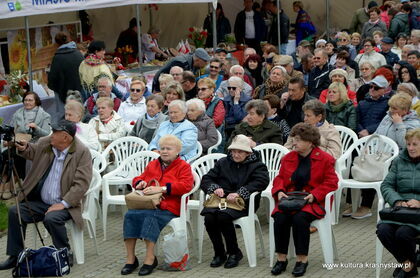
220, 50
387, 40
285, 60
380, 81
64, 125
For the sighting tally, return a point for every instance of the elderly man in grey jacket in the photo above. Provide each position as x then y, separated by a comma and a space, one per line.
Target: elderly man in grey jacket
54, 189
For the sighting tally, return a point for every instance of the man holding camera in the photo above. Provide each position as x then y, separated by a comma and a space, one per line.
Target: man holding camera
54, 187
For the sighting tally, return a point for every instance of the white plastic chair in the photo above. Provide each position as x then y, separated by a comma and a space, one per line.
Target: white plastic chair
122, 148
325, 232
98, 161
89, 214
348, 137
132, 166
271, 155
247, 223
388, 146
215, 146
198, 154
201, 166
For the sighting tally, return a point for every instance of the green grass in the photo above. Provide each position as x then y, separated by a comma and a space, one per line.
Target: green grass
3, 216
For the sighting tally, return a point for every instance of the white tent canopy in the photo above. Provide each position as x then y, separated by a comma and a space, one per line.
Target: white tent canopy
9, 9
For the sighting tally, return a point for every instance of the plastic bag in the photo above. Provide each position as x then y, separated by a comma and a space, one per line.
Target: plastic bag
175, 251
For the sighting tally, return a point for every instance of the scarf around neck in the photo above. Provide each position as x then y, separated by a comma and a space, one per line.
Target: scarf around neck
272, 89
94, 60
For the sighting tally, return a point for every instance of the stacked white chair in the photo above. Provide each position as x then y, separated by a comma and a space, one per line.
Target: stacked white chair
271, 155
342, 165
98, 161
131, 167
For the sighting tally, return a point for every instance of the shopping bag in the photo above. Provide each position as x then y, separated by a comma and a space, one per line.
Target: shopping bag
175, 250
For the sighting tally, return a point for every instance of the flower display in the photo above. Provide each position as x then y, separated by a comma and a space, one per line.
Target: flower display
127, 55
16, 81
198, 36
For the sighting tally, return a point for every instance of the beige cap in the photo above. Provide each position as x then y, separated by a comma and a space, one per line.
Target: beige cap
241, 142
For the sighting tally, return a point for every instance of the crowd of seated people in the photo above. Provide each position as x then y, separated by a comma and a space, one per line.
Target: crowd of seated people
296, 100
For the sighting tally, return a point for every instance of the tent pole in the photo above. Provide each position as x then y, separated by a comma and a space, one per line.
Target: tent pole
139, 34
278, 26
327, 7
214, 28
28, 47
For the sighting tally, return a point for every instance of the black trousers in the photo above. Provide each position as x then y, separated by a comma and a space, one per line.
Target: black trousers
218, 224
54, 222
300, 223
368, 195
399, 240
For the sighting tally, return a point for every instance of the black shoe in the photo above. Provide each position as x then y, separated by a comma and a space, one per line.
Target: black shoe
9, 263
147, 269
300, 269
233, 260
279, 267
396, 271
129, 268
413, 272
218, 261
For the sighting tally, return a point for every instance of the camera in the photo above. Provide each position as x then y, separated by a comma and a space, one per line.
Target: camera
8, 132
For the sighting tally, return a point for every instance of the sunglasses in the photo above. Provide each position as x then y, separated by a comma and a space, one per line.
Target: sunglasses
342, 40
316, 58
135, 90
214, 67
202, 89
375, 88
231, 88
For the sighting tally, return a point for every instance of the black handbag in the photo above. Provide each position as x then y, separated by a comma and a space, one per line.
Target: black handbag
293, 202
401, 214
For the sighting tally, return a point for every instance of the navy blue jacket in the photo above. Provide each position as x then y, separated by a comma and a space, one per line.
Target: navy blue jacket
370, 113
319, 80
235, 113
390, 57
239, 29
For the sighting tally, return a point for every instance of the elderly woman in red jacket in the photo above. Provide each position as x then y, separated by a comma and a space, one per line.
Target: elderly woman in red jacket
175, 179
309, 169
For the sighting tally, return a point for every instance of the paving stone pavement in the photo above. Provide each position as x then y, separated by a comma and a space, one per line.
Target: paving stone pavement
355, 242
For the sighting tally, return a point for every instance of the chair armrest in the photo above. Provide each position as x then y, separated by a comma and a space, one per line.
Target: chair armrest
251, 209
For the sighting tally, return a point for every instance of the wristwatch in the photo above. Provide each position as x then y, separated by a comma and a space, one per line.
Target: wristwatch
163, 188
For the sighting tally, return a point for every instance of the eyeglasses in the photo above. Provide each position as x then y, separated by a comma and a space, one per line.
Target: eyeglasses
135, 90
316, 58
202, 89
375, 88
363, 69
176, 74
367, 45
231, 88
214, 67
404, 71
238, 73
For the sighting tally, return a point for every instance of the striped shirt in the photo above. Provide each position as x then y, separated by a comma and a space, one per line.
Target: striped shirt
51, 190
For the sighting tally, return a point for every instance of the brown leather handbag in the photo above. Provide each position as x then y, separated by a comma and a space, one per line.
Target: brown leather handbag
137, 199
216, 202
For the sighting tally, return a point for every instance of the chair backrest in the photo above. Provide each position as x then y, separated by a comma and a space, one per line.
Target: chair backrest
348, 137
124, 147
92, 193
203, 165
135, 164
384, 144
98, 161
271, 155
199, 153
215, 146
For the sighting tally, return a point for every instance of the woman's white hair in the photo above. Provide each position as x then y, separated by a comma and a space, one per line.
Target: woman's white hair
198, 103
180, 103
236, 80
109, 82
281, 68
232, 69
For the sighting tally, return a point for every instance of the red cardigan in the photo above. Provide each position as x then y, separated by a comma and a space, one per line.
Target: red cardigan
323, 179
177, 178
350, 94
